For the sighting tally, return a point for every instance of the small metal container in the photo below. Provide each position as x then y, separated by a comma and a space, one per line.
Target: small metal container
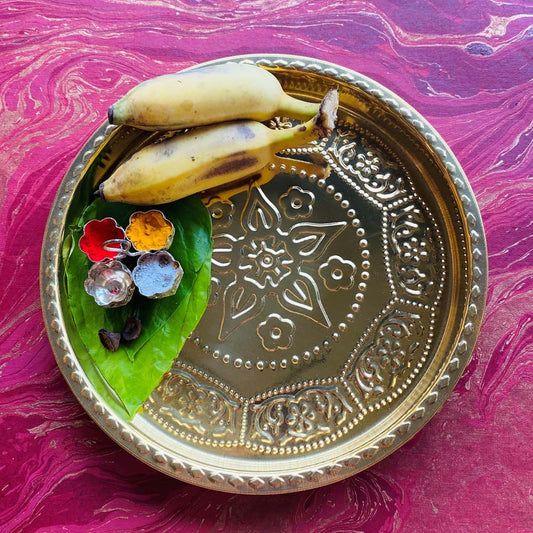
157, 274
110, 284
150, 230
96, 233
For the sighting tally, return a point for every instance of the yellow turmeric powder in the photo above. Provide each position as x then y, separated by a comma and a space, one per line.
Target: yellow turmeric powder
150, 230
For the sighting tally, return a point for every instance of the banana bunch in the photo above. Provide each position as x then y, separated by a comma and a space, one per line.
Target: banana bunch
224, 105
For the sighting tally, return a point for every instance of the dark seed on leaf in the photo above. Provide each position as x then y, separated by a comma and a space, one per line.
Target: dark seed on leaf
109, 339
132, 329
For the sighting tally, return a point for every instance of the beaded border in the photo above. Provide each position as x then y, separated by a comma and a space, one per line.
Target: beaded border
139, 445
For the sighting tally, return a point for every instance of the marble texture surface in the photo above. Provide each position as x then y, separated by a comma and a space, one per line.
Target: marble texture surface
465, 65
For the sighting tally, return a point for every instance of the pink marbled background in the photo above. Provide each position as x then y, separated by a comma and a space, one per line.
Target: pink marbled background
464, 64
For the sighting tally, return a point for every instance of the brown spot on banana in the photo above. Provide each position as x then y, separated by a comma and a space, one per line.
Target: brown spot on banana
239, 163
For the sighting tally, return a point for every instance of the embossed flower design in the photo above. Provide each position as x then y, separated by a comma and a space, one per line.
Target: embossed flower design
369, 168
390, 354
396, 341
412, 243
110, 284
337, 273
301, 417
190, 401
414, 251
276, 333
262, 259
95, 234
221, 213
367, 164
266, 261
297, 203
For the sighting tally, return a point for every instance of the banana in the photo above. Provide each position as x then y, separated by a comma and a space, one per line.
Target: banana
208, 95
208, 157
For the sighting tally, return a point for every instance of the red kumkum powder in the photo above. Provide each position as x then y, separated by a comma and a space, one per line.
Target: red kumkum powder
95, 233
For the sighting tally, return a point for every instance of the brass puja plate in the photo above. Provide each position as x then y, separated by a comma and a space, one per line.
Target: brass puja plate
342, 313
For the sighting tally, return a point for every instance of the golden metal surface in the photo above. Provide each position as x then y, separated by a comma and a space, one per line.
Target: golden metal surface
343, 310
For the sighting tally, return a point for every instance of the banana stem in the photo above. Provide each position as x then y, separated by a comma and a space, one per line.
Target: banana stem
320, 126
298, 109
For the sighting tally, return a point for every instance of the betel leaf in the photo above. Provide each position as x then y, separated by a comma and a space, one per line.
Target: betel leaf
132, 372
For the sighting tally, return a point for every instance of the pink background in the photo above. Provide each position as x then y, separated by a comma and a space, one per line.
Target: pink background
465, 65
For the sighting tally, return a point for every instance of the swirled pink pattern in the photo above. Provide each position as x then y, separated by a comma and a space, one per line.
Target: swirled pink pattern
465, 65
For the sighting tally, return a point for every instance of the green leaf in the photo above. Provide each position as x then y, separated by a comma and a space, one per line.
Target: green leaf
136, 368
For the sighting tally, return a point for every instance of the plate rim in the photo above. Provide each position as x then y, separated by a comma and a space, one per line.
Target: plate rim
134, 440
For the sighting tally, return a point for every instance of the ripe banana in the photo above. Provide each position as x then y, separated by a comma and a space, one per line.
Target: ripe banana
208, 157
208, 95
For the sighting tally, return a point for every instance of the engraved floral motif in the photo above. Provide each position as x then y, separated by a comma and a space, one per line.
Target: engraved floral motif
368, 164
276, 333
391, 353
413, 251
367, 168
199, 408
301, 418
290, 419
221, 213
297, 203
266, 261
253, 262
337, 273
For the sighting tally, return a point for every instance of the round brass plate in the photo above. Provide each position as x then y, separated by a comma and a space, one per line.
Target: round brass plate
343, 310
